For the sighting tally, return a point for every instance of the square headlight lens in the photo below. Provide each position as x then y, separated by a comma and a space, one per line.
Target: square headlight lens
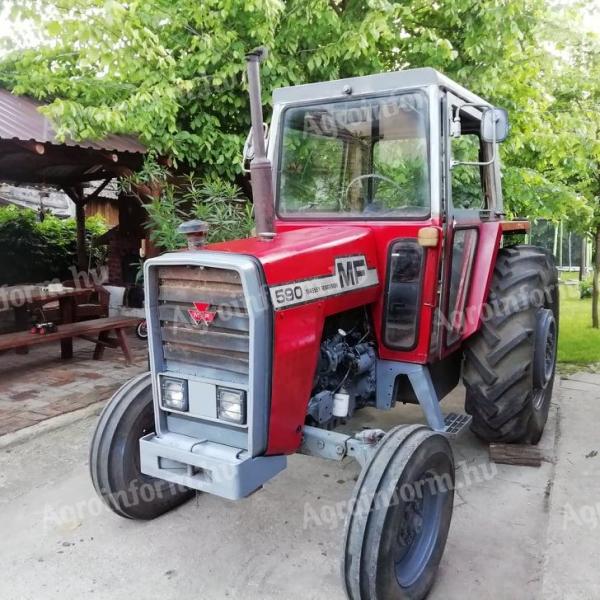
231, 405
174, 393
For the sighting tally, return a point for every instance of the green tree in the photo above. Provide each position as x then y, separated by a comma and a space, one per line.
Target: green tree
575, 157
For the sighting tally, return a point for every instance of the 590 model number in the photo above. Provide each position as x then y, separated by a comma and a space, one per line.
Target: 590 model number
287, 294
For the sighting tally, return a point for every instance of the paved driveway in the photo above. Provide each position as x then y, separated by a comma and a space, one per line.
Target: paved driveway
509, 538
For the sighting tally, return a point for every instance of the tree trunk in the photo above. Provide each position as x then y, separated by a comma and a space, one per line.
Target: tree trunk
596, 285
583, 258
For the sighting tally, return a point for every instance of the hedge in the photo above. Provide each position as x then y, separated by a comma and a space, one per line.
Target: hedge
32, 251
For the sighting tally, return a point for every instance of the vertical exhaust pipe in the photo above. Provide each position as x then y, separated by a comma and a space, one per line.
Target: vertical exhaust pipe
261, 176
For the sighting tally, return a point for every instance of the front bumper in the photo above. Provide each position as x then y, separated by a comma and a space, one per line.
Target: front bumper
206, 466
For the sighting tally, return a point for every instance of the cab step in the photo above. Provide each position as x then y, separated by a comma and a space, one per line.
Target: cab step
456, 423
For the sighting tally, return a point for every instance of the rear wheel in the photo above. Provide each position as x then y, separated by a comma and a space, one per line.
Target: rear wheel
510, 363
115, 456
401, 512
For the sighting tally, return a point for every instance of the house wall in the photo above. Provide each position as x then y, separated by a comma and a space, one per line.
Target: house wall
108, 209
31, 197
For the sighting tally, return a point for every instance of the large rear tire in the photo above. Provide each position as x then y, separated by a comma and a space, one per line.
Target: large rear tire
401, 511
115, 456
509, 364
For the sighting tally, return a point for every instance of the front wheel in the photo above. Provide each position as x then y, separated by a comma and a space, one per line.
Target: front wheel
401, 511
115, 456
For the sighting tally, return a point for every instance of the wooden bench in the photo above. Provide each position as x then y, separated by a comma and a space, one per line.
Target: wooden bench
84, 330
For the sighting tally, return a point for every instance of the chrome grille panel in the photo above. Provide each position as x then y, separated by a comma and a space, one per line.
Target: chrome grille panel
222, 347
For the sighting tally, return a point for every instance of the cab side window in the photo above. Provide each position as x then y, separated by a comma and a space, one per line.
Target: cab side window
470, 182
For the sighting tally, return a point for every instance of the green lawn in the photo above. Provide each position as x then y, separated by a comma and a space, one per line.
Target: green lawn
578, 342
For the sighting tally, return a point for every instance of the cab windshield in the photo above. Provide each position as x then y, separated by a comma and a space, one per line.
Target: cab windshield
359, 158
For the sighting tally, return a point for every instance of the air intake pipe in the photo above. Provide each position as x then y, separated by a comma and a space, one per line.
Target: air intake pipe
260, 168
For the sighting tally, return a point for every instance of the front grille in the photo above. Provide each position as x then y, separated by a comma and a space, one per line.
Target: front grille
218, 350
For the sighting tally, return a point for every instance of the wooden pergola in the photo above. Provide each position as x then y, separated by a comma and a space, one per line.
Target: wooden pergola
31, 154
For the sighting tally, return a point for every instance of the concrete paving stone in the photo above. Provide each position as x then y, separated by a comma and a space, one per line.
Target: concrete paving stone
582, 386
90, 375
25, 395
11, 424
592, 378
32, 416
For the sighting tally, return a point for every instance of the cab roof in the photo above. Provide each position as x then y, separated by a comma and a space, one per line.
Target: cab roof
371, 84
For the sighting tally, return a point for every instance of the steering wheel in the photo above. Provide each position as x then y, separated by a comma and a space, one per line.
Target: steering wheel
374, 176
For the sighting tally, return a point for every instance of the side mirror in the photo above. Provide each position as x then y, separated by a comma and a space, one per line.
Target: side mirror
494, 125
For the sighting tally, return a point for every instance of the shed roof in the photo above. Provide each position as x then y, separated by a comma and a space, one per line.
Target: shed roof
30, 152
21, 120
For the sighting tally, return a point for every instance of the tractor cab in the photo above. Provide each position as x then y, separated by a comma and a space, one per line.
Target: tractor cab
383, 147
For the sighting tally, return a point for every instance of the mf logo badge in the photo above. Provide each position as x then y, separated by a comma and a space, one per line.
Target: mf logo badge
201, 315
349, 273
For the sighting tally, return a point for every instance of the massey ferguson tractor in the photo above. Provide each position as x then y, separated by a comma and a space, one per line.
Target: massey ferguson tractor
382, 272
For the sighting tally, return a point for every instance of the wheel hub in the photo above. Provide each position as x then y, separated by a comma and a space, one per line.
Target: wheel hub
417, 532
411, 526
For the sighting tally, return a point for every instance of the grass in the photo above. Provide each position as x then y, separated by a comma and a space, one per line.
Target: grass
578, 343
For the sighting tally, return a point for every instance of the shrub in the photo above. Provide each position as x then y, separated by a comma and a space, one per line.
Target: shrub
586, 288
213, 200
32, 251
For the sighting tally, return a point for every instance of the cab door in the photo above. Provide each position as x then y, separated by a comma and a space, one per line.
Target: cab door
469, 201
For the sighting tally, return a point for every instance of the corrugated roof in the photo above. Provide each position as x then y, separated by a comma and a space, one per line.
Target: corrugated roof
21, 120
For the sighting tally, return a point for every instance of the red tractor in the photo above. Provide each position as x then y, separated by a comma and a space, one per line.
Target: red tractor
382, 271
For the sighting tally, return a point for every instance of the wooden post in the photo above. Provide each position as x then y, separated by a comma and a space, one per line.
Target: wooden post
81, 253
76, 194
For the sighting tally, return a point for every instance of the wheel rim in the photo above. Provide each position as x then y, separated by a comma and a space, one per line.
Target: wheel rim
547, 359
418, 531
550, 351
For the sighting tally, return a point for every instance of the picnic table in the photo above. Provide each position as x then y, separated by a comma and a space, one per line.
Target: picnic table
23, 298
85, 330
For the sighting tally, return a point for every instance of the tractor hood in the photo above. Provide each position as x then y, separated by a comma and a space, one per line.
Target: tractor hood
312, 263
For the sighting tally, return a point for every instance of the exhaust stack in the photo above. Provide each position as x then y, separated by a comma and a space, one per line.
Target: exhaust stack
261, 176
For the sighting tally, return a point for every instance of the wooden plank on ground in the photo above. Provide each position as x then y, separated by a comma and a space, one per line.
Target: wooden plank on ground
517, 454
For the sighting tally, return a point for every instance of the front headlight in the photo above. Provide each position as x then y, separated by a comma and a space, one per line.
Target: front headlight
174, 393
231, 405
